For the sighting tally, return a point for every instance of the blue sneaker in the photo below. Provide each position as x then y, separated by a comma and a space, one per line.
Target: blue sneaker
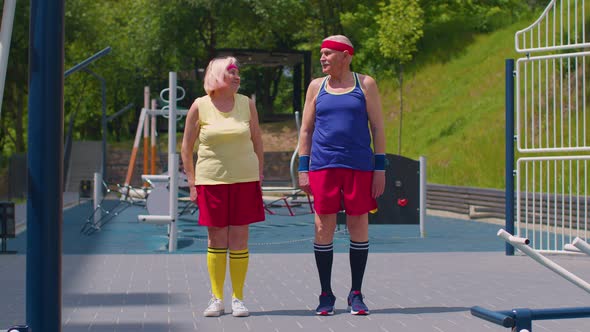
326, 307
356, 304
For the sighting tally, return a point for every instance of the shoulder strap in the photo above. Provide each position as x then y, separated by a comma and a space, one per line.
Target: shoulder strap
357, 81
323, 86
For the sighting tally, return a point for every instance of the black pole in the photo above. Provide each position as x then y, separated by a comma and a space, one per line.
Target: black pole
297, 100
88, 61
103, 89
401, 106
103, 86
509, 205
45, 165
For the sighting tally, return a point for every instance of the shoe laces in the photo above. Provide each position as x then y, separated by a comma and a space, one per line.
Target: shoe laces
356, 297
238, 305
214, 303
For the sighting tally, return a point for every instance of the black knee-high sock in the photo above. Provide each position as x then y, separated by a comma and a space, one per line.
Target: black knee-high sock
359, 251
324, 256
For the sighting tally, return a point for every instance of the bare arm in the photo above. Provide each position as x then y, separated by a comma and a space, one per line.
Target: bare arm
308, 119
375, 114
256, 136
306, 131
377, 130
191, 133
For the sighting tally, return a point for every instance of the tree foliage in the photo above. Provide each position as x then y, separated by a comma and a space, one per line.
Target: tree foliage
150, 38
400, 28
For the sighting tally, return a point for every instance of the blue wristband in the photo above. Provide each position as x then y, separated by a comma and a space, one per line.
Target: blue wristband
303, 163
379, 162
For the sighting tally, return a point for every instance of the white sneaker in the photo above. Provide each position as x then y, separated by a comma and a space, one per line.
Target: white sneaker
215, 308
238, 308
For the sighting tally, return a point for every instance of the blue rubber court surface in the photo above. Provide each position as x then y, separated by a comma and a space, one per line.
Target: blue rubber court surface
280, 233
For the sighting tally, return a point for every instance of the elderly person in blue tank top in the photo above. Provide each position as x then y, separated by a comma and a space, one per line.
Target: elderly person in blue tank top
337, 164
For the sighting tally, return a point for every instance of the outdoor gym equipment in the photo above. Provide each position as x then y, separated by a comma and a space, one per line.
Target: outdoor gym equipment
171, 178
521, 320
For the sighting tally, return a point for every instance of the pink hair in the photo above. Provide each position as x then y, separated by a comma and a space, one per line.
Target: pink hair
215, 73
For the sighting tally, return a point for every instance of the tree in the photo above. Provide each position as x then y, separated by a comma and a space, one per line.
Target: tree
13, 121
400, 28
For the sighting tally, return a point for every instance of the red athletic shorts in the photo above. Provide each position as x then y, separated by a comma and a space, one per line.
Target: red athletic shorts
235, 204
332, 186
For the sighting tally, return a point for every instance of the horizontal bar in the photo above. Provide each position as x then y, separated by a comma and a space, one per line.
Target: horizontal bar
552, 48
121, 111
156, 220
560, 313
553, 56
497, 318
88, 61
165, 112
545, 261
581, 245
547, 158
155, 178
511, 238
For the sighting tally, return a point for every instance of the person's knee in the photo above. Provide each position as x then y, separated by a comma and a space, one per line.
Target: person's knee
324, 230
238, 237
358, 227
218, 237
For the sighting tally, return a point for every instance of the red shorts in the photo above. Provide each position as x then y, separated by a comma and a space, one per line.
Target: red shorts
332, 186
235, 204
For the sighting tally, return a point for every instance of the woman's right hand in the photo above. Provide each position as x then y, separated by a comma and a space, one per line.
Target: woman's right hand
193, 194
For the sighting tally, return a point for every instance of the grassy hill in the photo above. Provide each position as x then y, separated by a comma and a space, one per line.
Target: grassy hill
454, 112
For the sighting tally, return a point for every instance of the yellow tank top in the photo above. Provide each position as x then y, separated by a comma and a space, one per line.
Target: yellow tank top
226, 152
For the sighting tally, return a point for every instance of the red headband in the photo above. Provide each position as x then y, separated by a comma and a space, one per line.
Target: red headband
231, 66
337, 46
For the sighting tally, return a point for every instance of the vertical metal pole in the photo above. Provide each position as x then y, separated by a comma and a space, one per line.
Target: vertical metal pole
97, 202
523, 319
292, 170
103, 86
146, 133
172, 161
45, 165
297, 100
509, 204
5, 37
423, 191
153, 138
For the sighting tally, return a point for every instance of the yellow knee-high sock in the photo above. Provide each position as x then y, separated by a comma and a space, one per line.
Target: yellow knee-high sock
238, 266
216, 264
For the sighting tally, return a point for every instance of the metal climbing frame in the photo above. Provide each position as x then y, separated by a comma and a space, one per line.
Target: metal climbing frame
552, 183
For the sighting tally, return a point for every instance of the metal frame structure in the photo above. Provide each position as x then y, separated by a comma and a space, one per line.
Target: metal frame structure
173, 161
5, 39
45, 165
552, 184
521, 320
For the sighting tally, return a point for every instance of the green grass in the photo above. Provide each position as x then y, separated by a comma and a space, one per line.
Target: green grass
454, 113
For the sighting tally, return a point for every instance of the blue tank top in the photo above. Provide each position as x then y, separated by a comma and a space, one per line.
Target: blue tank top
341, 137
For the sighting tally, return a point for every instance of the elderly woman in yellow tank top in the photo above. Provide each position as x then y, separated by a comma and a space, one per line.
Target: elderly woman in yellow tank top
225, 182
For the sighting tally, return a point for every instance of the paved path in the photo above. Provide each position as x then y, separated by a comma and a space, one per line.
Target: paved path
122, 279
